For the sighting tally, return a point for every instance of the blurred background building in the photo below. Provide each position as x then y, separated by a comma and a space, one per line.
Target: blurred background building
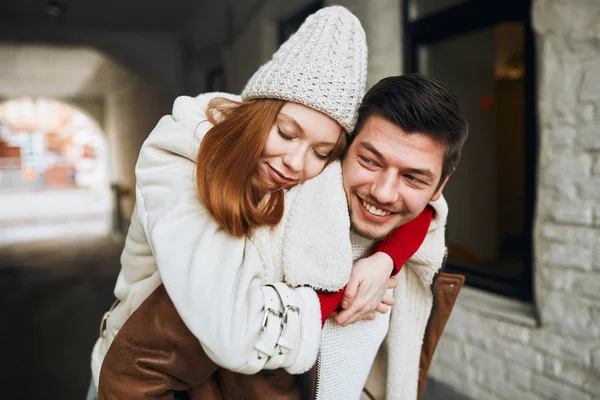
82, 83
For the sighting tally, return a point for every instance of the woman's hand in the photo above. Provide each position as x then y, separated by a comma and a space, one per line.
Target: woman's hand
366, 290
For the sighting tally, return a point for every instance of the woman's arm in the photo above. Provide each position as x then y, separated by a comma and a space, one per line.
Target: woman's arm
368, 283
213, 279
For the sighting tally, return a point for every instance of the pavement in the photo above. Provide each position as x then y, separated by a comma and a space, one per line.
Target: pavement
54, 294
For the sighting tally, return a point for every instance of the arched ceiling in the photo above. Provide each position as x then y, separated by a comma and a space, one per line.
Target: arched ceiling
199, 23
60, 72
157, 14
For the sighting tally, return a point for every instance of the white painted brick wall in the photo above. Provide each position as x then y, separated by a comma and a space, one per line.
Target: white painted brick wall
595, 355
481, 354
568, 255
553, 389
588, 137
560, 165
512, 393
597, 215
520, 377
596, 169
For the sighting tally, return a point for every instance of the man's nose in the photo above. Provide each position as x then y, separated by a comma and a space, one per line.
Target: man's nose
385, 189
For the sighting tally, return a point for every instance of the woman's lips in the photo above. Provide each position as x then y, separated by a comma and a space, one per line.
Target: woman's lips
279, 177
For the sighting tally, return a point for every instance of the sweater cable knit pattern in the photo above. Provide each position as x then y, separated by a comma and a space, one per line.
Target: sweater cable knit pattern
348, 352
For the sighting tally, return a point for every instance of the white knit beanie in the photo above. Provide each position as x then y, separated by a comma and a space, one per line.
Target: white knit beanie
322, 66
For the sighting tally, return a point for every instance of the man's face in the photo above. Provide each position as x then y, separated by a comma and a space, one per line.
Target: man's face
390, 176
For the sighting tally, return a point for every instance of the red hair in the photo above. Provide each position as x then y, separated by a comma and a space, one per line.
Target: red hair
226, 166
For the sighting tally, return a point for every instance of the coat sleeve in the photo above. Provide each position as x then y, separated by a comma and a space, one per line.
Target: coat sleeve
213, 278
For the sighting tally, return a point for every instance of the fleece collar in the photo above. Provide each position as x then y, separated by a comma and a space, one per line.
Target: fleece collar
311, 246
427, 261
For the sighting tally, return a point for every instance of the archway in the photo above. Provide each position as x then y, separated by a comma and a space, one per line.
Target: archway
54, 175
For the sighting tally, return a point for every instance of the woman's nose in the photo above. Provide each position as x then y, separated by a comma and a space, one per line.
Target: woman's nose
294, 160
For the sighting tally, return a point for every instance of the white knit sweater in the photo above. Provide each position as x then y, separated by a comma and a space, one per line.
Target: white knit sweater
347, 353
397, 363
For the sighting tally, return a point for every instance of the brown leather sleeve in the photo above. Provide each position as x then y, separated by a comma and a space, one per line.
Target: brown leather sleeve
153, 354
445, 289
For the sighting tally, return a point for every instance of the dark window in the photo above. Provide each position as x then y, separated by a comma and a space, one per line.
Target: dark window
483, 51
215, 80
290, 25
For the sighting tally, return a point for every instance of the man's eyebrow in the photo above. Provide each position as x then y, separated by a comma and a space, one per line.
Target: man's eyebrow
417, 171
423, 172
368, 146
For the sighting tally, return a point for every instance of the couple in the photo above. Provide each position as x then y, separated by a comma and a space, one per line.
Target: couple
225, 293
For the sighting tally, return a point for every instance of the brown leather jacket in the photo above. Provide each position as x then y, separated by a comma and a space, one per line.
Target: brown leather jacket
154, 354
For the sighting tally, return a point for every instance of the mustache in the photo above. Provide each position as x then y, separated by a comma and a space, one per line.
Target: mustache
395, 208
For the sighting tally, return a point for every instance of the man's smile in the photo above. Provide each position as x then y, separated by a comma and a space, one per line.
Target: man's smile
373, 212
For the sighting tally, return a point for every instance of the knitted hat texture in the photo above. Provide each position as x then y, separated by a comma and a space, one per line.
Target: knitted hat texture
322, 66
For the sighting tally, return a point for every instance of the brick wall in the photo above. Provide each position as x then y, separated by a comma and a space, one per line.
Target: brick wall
481, 354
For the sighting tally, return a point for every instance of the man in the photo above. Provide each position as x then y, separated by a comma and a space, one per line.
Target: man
407, 144
409, 136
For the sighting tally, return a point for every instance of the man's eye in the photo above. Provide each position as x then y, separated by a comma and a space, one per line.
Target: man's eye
415, 181
366, 160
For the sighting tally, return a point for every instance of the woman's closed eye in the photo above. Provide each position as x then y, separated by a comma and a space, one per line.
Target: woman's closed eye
321, 156
284, 135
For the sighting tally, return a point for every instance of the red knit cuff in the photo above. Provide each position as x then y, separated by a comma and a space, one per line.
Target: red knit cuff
406, 239
329, 303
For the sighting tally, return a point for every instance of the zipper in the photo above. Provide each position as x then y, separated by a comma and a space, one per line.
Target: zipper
318, 374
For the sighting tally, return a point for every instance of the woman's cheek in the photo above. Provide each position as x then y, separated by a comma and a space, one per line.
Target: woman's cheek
313, 171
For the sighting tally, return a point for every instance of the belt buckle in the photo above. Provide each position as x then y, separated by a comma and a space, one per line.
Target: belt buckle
284, 316
266, 316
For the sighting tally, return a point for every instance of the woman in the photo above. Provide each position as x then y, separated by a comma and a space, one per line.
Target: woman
214, 256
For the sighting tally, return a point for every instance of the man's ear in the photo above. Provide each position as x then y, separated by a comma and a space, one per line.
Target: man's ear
436, 196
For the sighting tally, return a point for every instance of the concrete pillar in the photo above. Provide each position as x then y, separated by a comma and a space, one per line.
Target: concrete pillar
382, 20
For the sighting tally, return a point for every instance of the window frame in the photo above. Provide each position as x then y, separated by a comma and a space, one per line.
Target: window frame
461, 19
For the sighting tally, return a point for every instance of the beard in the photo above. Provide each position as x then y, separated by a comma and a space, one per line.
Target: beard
368, 235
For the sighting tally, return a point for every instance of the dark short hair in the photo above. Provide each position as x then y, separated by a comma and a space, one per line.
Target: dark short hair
418, 104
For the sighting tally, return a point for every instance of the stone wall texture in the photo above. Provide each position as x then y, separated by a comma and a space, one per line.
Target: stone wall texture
486, 357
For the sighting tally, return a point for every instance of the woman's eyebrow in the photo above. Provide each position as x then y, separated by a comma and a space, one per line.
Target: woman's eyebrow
297, 126
292, 121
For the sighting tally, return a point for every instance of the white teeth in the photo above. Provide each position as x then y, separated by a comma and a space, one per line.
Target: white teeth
375, 211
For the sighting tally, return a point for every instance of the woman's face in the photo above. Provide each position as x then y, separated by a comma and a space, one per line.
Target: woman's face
298, 146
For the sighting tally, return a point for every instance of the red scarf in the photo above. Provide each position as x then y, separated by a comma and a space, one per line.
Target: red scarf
400, 246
